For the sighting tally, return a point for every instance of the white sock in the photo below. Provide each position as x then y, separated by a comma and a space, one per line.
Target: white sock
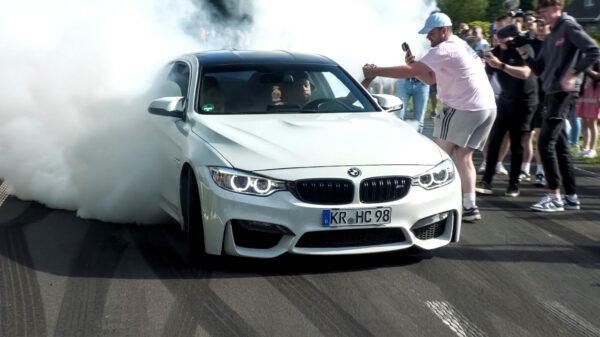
540, 169
469, 200
555, 196
525, 167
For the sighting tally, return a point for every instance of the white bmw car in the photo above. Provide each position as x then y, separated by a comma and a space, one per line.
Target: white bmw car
267, 153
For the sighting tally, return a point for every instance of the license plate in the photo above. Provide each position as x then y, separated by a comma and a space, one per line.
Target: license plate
357, 217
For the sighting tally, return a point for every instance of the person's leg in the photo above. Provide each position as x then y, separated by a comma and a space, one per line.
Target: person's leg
551, 131
516, 150
504, 150
420, 94
402, 92
527, 151
494, 142
575, 128
586, 132
466, 169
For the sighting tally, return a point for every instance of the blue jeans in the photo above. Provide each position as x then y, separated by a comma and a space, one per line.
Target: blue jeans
405, 88
575, 132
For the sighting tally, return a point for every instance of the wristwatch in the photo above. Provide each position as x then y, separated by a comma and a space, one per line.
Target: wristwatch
502, 66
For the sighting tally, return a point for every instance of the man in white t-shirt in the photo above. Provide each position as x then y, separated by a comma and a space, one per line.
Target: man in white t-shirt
463, 86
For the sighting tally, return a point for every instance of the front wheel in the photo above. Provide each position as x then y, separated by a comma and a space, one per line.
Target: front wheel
192, 217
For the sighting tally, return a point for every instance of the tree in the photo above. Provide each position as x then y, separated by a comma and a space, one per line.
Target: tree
494, 9
463, 10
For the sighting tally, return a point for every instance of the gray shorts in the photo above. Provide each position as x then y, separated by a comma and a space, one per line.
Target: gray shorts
464, 128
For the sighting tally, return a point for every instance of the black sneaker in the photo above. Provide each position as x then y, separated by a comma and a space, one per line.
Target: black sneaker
484, 188
540, 180
524, 176
512, 191
471, 214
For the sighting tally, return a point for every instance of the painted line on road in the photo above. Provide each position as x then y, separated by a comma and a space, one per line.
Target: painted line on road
573, 320
456, 321
3, 192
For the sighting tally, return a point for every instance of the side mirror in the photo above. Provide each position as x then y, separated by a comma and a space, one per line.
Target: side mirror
167, 106
389, 102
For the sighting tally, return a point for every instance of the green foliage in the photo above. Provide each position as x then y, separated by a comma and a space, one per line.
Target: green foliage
494, 9
595, 36
463, 10
486, 28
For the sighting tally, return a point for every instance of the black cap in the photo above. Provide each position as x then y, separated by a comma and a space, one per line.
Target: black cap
508, 31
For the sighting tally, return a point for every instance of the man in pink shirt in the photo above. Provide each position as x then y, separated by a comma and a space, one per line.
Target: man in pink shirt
463, 86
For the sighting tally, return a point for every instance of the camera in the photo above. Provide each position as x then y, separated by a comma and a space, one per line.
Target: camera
517, 13
512, 31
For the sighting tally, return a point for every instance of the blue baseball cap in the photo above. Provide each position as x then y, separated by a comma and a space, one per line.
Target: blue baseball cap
436, 20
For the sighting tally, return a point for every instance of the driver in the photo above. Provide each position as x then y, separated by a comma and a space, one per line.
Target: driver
298, 92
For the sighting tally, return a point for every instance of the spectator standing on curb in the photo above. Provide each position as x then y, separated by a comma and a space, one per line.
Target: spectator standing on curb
405, 88
516, 105
566, 52
588, 109
542, 29
469, 105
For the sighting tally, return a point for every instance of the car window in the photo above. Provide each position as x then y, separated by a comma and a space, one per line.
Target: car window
173, 81
279, 89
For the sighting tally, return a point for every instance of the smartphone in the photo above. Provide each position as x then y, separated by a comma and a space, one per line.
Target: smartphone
406, 48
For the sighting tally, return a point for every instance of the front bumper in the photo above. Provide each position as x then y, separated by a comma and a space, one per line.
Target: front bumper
427, 219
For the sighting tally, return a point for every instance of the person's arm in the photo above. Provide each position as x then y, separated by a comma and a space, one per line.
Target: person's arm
585, 44
520, 72
415, 69
594, 75
536, 64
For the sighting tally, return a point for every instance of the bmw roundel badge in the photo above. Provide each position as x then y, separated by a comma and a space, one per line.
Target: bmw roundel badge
354, 172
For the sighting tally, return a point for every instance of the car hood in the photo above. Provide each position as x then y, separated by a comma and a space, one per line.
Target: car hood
268, 141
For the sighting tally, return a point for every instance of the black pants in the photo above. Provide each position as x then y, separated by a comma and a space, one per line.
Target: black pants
553, 144
513, 116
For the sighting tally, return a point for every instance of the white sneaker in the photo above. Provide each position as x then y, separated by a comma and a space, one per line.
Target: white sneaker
590, 154
582, 153
548, 204
500, 169
481, 167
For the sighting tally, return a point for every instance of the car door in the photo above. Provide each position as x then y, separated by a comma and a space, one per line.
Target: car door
174, 81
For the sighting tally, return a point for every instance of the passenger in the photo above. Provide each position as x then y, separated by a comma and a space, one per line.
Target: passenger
212, 99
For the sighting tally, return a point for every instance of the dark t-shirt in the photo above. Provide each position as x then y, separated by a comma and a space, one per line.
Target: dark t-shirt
512, 87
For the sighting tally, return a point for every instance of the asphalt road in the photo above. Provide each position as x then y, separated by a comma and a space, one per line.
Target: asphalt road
515, 273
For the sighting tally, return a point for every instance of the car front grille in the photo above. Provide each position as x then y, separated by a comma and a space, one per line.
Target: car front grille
431, 231
351, 238
384, 189
324, 191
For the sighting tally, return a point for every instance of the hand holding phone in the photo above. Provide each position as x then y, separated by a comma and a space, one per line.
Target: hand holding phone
408, 58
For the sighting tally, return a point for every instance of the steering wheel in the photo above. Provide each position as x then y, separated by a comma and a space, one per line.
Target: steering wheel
327, 104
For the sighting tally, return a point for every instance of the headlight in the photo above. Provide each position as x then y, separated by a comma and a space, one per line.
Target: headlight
245, 183
441, 175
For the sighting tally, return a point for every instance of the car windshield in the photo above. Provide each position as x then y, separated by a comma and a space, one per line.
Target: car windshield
264, 89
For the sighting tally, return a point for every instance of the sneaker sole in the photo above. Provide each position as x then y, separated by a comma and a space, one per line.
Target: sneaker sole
573, 207
483, 191
540, 185
547, 210
514, 195
472, 218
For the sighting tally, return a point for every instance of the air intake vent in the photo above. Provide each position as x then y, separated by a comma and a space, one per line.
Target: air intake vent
384, 189
324, 191
351, 238
430, 232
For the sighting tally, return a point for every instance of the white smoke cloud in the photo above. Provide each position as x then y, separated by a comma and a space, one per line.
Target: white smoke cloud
73, 132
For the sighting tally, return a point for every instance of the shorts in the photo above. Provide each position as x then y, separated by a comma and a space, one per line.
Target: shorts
538, 116
464, 128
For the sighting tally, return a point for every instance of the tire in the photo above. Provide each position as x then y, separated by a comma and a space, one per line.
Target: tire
192, 215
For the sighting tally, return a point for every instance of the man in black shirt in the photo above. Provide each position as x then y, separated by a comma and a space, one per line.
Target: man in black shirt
516, 106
